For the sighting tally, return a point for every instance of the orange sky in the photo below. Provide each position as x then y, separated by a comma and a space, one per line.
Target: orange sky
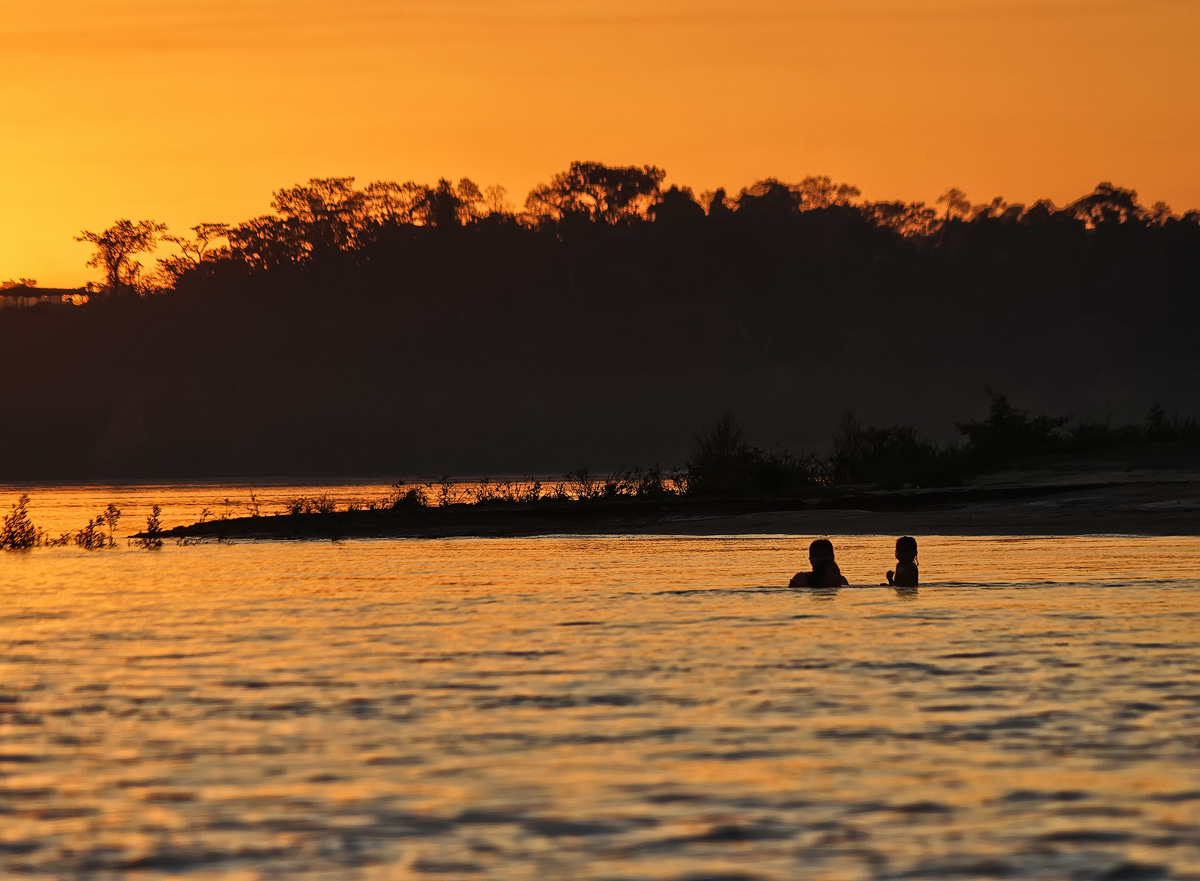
184, 111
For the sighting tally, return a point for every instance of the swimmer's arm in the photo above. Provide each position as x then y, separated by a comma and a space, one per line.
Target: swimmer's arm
800, 579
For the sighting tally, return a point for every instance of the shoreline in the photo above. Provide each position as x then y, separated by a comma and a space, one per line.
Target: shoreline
1086, 502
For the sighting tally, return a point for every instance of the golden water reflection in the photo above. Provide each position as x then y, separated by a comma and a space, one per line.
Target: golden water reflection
601, 707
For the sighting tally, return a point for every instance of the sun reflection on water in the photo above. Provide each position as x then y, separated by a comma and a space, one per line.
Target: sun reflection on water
599, 707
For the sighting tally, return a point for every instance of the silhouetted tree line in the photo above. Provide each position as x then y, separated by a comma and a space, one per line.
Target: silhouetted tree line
723, 461
407, 327
329, 223
898, 456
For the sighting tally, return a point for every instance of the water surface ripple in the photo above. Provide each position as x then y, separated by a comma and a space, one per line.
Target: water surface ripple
601, 708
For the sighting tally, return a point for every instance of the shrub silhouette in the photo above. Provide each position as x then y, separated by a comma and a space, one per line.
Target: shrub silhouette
1008, 434
18, 532
151, 539
723, 463
892, 457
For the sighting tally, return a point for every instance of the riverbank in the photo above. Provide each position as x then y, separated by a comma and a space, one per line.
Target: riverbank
1077, 497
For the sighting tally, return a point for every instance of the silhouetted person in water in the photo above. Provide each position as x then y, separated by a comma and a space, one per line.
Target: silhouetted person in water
825, 571
905, 573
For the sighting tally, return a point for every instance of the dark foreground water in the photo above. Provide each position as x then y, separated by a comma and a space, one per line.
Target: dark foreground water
601, 708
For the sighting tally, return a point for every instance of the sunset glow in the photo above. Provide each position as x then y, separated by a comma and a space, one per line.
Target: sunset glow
197, 112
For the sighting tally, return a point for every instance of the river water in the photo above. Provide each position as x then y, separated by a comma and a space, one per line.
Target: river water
609, 707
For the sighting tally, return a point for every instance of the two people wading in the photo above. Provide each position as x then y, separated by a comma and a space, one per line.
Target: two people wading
824, 571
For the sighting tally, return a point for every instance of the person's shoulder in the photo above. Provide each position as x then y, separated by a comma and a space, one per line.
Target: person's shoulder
800, 579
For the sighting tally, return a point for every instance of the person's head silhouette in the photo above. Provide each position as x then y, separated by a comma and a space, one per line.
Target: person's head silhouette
905, 574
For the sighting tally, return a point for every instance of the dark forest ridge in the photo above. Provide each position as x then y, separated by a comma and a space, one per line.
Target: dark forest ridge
404, 328
329, 214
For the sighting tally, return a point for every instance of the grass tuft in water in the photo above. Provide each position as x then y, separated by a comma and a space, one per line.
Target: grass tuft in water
18, 532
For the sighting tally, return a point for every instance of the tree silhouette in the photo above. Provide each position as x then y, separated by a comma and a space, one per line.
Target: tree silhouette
774, 198
821, 192
495, 200
328, 211
443, 206
1008, 434
1159, 213
995, 208
908, 219
956, 202
597, 192
115, 248
386, 202
769, 199
268, 242
716, 203
1106, 204
199, 248
470, 199
678, 205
